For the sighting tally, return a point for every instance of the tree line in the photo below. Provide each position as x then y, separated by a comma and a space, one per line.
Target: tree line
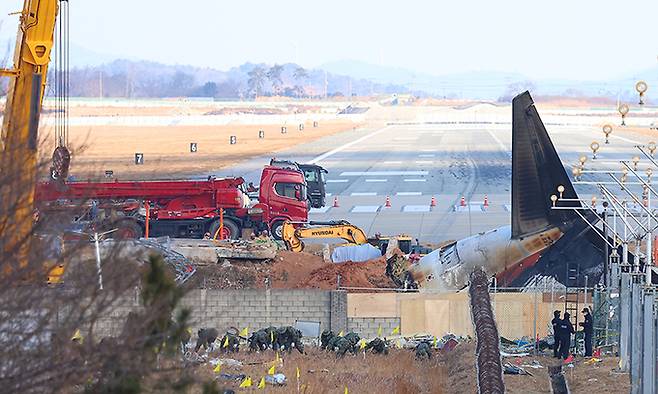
143, 79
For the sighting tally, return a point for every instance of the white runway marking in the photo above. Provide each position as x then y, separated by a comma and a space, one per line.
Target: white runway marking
337, 180
424, 162
345, 146
409, 194
363, 194
365, 209
415, 180
383, 173
626, 140
426, 155
319, 210
474, 208
427, 150
500, 143
376, 180
416, 208
392, 162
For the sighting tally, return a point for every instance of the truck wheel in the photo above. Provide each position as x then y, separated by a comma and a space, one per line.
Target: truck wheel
277, 229
127, 229
230, 230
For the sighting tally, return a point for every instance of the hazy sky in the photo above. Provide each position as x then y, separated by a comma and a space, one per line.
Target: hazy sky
575, 39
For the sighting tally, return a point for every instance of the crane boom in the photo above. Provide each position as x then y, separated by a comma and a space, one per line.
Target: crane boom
18, 160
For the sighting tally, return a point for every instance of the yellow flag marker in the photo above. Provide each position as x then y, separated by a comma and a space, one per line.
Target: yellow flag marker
217, 368
244, 332
433, 341
261, 384
277, 356
271, 336
346, 390
225, 342
340, 334
398, 344
298, 374
246, 382
363, 344
77, 336
396, 330
379, 331
189, 330
271, 370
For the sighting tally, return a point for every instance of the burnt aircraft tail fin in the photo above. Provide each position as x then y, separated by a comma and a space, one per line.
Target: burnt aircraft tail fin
537, 171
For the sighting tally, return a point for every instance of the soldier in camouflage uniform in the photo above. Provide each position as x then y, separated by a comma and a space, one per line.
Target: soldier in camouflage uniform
259, 340
348, 342
423, 350
288, 337
378, 346
325, 337
205, 337
331, 343
233, 343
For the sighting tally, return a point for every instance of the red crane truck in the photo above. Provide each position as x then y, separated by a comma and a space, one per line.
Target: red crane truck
185, 208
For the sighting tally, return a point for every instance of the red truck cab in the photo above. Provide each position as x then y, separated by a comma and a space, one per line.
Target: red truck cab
284, 191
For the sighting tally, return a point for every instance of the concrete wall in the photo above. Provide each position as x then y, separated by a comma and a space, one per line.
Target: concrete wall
369, 327
365, 313
246, 308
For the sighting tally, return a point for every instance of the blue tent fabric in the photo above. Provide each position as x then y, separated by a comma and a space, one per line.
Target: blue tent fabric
356, 253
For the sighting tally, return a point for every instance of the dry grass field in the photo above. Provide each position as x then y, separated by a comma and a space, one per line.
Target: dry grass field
166, 149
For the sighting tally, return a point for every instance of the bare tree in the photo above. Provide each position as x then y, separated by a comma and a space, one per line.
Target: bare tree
274, 75
256, 80
301, 75
52, 335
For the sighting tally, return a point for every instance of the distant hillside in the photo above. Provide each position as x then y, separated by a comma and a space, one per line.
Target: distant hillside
492, 85
127, 78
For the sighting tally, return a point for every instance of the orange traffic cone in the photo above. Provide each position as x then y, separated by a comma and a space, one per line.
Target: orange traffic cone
336, 202
433, 202
486, 201
462, 202
388, 202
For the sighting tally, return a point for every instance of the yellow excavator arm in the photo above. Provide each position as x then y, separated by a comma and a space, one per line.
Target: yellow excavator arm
293, 236
18, 153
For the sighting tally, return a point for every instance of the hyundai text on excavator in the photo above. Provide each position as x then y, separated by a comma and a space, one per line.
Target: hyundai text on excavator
292, 233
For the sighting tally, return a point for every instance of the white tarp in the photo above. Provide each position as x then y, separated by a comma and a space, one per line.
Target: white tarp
355, 253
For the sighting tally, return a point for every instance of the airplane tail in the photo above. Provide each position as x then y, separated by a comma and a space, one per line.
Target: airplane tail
537, 171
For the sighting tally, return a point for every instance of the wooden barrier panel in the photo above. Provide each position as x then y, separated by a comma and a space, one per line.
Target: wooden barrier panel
372, 305
438, 314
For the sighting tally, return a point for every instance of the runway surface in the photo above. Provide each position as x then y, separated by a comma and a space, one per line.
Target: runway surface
411, 163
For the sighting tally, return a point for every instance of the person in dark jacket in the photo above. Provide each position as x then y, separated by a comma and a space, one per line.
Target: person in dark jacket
588, 330
566, 329
556, 333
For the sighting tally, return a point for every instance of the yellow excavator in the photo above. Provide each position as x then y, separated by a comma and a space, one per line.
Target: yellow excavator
294, 232
292, 236
20, 125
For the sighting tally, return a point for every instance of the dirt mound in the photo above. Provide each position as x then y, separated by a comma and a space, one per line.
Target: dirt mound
291, 270
364, 274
